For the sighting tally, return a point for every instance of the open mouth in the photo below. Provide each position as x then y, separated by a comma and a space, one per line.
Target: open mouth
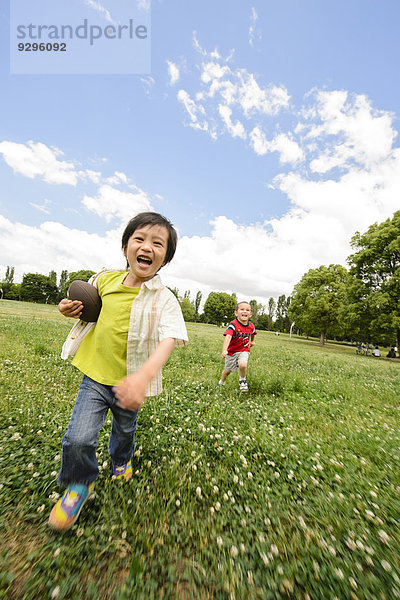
143, 260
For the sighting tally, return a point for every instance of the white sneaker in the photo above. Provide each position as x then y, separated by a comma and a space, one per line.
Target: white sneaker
221, 382
243, 385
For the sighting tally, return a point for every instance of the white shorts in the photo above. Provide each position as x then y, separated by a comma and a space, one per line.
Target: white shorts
232, 361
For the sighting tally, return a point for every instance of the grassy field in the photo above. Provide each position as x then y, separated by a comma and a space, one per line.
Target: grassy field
291, 491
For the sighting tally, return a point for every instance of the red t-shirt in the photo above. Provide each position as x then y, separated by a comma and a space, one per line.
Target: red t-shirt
241, 335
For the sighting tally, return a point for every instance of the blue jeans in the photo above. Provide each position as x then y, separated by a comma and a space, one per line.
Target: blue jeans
78, 463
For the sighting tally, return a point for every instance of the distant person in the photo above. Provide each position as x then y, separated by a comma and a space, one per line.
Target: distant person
391, 353
120, 356
376, 352
239, 337
359, 348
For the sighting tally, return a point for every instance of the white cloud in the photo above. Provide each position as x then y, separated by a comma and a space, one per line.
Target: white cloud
144, 5
235, 129
195, 111
254, 34
42, 207
101, 10
112, 203
52, 246
148, 84
354, 132
173, 72
38, 160
233, 101
289, 150
259, 141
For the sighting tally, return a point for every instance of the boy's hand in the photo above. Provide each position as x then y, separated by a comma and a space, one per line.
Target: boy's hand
70, 308
252, 343
224, 353
130, 392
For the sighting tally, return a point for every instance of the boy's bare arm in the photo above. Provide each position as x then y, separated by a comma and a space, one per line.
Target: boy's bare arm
70, 308
130, 391
227, 341
252, 342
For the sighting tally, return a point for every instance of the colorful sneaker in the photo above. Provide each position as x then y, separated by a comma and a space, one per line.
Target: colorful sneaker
243, 385
124, 471
67, 509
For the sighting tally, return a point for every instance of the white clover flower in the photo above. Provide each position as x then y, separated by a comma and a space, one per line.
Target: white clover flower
387, 566
215, 489
178, 502
243, 523
250, 475
226, 497
353, 583
40, 508
56, 553
264, 558
234, 551
212, 510
242, 548
198, 492
217, 506
339, 573
274, 550
219, 541
235, 479
55, 593
383, 536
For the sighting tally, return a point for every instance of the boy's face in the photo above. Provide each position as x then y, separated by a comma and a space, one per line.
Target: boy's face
145, 251
243, 312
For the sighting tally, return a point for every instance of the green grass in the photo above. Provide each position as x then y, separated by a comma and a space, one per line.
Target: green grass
291, 491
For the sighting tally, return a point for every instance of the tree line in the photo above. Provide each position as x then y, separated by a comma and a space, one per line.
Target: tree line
359, 303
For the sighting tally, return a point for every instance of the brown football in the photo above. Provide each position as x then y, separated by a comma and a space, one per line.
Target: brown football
89, 296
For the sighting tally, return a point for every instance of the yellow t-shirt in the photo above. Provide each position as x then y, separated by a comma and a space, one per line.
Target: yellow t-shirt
102, 353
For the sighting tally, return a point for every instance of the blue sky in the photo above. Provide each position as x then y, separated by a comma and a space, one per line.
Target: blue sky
266, 131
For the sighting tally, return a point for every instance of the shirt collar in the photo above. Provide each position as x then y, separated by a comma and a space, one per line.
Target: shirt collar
154, 283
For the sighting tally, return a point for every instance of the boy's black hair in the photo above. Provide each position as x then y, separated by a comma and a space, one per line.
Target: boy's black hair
152, 218
242, 302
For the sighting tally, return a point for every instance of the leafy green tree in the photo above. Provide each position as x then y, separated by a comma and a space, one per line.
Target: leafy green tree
197, 304
38, 288
53, 276
271, 312
219, 307
318, 300
281, 313
62, 289
257, 310
14, 291
375, 292
187, 308
7, 282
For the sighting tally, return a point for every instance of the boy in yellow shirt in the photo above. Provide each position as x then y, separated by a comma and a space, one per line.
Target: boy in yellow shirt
120, 356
